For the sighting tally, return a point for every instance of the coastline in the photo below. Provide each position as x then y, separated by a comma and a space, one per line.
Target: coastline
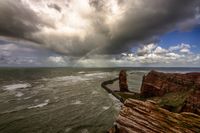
121, 96
110, 91
157, 107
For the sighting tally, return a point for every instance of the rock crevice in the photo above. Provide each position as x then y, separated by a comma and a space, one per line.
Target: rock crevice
147, 117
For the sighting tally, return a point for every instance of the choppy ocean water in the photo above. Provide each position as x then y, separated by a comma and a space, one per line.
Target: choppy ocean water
60, 100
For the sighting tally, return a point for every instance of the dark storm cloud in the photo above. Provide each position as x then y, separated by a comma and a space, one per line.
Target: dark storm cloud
16, 19
138, 21
141, 24
97, 4
20, 55
55, 6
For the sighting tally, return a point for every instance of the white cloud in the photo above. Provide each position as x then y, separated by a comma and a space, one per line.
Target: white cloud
146, 49
13, 47
57, 59
124, 54
184, 48
152, 54
12, 54
81, 27
160, 50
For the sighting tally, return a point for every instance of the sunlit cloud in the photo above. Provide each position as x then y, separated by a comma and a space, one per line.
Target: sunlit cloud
95, 32
83, 27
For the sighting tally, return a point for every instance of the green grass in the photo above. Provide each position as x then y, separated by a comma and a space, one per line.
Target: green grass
170, 101
129, 95
173, 100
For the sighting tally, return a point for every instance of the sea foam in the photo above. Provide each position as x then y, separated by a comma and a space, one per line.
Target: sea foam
77, 102
16, 86
40, 105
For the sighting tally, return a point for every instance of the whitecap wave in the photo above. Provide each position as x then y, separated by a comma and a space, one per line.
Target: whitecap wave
117, 103
84, 131
105, 107
94, 92
77, 102
76, 79
19, 94
98, 75
70, 78
26, 98
81, 72
46, 102
68, 130
14, 87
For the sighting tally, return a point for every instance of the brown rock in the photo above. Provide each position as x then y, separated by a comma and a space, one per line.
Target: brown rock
192, 103
123, 81
158, 83
147, 117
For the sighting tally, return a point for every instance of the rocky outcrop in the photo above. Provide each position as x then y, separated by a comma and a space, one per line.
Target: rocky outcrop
147, 117
158, 83
192, 103
123, 81
104, 85
173, 91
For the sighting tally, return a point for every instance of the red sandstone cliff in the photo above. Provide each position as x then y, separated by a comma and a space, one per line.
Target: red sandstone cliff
123, 81
158, 83
192, 103
147, 117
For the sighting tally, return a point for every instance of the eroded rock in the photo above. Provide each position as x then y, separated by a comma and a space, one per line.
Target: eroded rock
147, 117
192, 103
123, 81
158, 83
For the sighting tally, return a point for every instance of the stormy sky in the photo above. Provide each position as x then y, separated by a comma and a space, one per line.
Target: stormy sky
99, 33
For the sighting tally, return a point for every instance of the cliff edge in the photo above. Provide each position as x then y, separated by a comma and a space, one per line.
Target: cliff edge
147, 117
168, 103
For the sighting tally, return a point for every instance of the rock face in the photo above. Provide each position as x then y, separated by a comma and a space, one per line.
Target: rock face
123, 81
192, 103
171, 89
158, 83
147, 117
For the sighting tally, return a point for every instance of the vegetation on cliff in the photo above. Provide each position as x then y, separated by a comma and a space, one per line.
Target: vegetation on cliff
168, 102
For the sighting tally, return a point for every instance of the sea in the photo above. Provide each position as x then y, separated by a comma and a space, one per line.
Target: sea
63, 100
